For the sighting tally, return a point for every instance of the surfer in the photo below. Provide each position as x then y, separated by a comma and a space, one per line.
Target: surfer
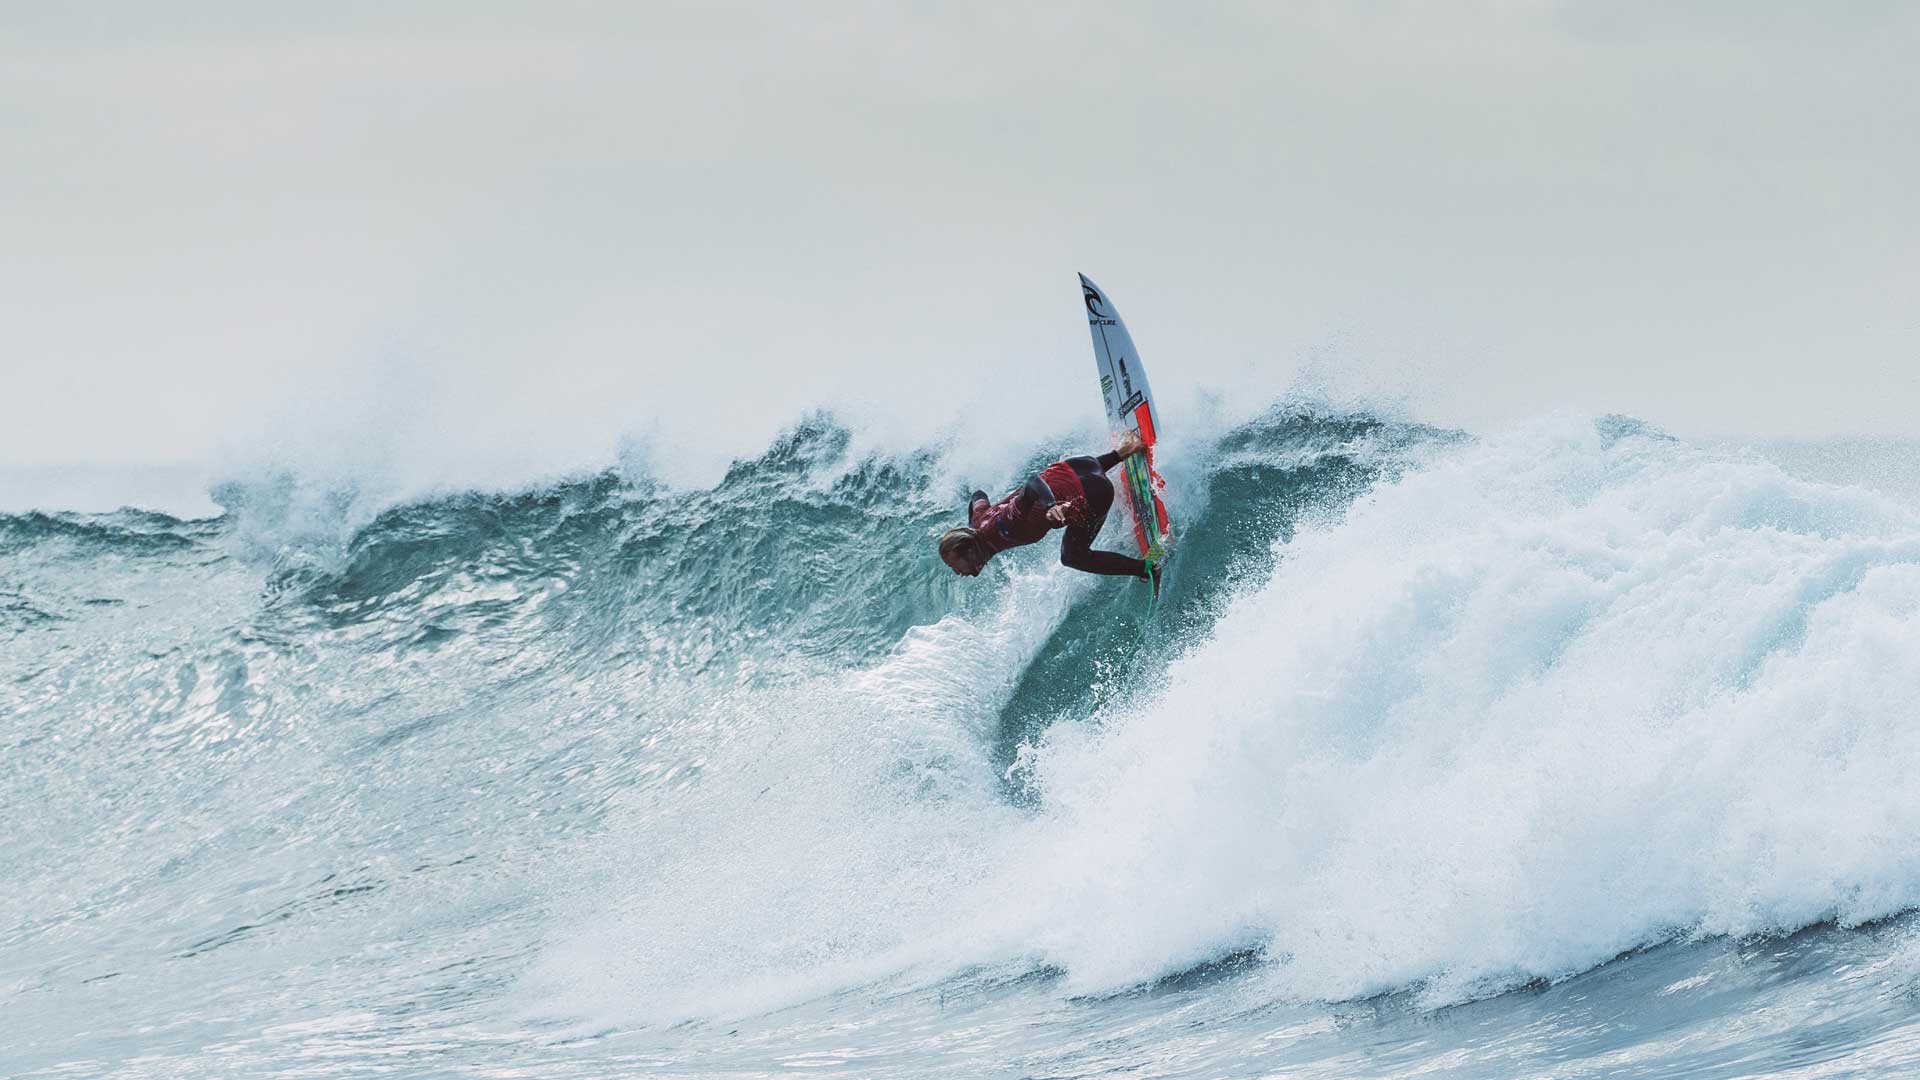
1074, 494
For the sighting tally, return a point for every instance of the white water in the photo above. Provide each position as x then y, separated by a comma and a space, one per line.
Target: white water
1561, 694
1541, 703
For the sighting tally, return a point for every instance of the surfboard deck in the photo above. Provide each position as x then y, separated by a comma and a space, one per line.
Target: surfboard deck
1129, 401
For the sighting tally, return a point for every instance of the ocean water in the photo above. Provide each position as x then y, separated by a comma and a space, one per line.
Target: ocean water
1570, 749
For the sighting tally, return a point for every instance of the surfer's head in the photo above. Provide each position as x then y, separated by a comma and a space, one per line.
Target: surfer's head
960, 550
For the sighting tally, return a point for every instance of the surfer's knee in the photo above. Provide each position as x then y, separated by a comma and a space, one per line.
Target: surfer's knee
1073, 556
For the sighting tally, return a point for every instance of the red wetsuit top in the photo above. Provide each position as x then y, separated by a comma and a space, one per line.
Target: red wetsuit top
1021, 518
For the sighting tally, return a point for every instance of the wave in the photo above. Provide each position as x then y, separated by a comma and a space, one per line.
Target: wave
1549, 697
1417, 713
127, 530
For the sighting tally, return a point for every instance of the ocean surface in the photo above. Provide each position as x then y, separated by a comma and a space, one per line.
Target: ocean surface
1566, 750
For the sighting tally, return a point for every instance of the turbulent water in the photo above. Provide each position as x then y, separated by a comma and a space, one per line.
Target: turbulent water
1567, 750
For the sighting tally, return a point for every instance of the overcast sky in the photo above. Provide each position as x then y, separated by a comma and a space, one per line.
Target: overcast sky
532, 229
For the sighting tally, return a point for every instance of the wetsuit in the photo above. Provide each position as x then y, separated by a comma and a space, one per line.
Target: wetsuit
1080, 485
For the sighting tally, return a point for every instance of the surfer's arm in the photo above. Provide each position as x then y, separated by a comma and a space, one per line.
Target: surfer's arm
1034, 493
1130, 444
1037, 493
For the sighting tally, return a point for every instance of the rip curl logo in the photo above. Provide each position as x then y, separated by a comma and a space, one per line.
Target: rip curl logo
1095, 305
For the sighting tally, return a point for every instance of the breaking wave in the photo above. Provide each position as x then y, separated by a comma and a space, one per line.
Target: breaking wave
1420, 715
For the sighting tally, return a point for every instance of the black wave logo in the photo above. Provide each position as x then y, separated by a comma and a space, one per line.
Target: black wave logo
1095, 302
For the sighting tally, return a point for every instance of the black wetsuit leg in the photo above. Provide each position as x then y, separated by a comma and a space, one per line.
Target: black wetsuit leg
1076, 548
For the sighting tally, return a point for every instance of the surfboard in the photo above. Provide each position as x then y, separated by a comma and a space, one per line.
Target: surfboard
1123, 385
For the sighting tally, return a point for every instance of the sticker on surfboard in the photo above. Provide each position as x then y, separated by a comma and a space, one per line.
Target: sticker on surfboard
1123, 385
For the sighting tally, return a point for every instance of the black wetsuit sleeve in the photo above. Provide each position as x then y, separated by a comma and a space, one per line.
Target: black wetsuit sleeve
973, 502
1035, 493
1108, 460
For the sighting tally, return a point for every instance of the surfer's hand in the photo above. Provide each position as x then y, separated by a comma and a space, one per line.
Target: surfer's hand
1057, 513
1130, 444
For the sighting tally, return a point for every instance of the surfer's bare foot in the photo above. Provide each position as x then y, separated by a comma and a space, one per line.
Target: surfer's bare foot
1130, 444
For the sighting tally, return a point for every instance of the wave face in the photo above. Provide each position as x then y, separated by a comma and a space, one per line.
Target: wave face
1571, 746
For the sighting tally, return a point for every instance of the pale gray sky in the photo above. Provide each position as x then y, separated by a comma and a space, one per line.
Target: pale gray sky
518, 232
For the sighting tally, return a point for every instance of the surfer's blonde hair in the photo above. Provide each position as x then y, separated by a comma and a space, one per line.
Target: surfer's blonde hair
951, 541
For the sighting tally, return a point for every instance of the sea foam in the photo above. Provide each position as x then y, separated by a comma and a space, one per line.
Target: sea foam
1571, 691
